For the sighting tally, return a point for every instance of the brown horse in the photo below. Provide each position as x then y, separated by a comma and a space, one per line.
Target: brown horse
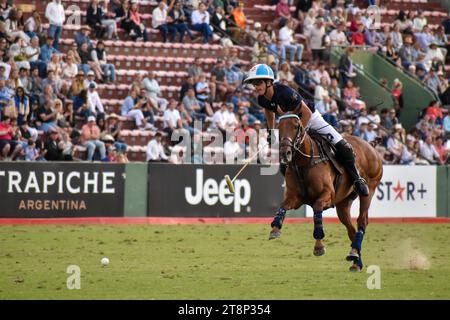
314, 184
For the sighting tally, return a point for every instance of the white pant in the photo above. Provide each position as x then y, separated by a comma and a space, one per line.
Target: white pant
137, 115
318, 124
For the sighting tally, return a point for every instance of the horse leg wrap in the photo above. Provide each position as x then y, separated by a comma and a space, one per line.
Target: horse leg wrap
358, 239
318, 233
279, 218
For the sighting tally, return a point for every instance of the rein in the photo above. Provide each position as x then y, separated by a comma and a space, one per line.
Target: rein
298, 139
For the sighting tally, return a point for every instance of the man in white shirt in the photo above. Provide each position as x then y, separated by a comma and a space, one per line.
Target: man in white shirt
153, 90
232, 150
159, 21
285, 35
315, 38
219, 119
337, 36
95, 103
428, 151
155, 150
56, 17
200, 22
172, 118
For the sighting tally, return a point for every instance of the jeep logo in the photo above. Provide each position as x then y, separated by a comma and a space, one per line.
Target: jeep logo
211, 192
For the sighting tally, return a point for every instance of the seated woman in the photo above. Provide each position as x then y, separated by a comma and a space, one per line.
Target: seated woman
351, 95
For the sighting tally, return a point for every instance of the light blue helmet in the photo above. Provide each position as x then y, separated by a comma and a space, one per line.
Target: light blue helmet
260, 71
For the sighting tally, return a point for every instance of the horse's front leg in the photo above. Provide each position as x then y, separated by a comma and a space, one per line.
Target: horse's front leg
322, 202
291, 201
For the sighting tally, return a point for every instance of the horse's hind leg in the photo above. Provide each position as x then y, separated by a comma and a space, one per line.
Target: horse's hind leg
343, 211
363, 221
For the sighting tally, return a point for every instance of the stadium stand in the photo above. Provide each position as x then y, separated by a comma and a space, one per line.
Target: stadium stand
153, 76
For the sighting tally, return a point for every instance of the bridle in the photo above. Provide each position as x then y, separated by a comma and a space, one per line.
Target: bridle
298, 139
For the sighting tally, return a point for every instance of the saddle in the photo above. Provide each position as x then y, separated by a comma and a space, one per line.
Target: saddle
327, 152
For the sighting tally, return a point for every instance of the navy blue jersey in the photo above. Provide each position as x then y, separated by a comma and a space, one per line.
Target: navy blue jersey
285, 97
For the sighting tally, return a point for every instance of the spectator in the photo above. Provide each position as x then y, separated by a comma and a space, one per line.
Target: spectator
155, 150
47, 50
346, 66
108, 20
285, 75
428, 151
32, 153
327, 107
394, 144
14, 26
200, 22
123, 17
409, 154
315, 39
22, 106
33, 25
132, 108
94, 19
282, 13
286, 36
53, 147
203, 92
232, 150
179, 21
137, 27
397, 92
99, 56
337, 36
9, 148
90, 138
195, 69
154, 91
5, 8
47, 116
113, 127
239, 23
351, 96
87, 63
56, 17
172, 118
95, 103
160, 20
82, 36
220, 22
441, 150
231, 76
32, 53
196, 109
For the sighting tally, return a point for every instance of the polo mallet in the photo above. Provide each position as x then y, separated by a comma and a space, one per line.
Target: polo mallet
247, 162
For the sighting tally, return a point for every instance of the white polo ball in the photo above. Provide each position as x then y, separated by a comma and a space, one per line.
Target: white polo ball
105, 261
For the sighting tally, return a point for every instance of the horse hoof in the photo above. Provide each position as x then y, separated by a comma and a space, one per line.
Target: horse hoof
319, 251
274, 235
355, 268
352, 256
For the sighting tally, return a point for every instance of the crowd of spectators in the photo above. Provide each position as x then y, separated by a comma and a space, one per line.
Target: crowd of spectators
50, 102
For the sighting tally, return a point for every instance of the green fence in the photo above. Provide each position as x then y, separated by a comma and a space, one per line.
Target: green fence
416, 96
371, 91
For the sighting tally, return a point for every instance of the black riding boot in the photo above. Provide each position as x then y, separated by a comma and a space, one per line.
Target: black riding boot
346, 157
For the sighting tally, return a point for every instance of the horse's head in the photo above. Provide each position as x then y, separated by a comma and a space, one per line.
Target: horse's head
291, 133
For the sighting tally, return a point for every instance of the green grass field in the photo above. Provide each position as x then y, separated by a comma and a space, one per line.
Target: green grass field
219, 262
